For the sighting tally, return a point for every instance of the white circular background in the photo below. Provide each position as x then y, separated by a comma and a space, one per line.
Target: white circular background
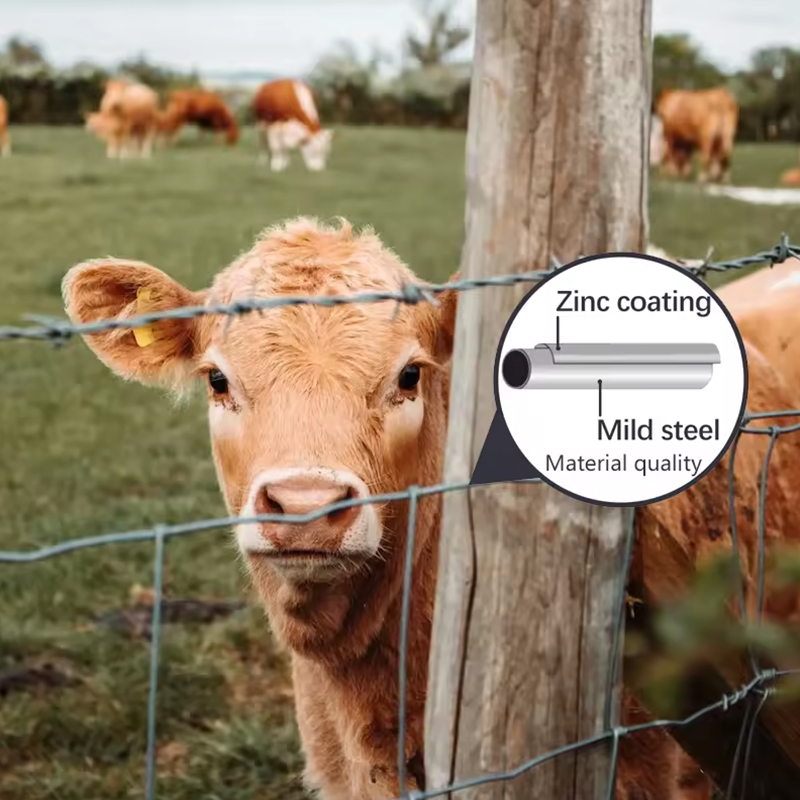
565, 421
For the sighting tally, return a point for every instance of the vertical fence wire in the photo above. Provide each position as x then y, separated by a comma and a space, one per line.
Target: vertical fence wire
155, 647
737, 753
402, 678
775, 431
614, 676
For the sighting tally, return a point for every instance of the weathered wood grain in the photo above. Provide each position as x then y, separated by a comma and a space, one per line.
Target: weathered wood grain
529, 585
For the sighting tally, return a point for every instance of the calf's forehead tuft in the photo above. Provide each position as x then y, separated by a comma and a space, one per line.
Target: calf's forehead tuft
304, 256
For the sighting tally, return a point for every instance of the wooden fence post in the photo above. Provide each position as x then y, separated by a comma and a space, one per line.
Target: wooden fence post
530, 580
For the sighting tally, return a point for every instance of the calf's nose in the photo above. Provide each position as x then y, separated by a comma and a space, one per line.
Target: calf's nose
306, 494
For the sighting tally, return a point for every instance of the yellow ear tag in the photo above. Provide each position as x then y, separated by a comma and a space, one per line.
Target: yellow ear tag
145, 335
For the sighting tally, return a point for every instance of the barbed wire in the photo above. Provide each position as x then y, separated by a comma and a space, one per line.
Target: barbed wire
56, 330
761, 686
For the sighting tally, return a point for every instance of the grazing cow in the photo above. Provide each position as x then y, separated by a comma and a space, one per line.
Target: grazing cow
287, 119
130, 112
5, 139
200, 107
109, 129
310, 405
704, 120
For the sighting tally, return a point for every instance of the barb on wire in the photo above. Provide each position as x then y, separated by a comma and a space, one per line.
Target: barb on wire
701, 269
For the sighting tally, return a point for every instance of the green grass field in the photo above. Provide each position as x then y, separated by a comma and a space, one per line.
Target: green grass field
85, 454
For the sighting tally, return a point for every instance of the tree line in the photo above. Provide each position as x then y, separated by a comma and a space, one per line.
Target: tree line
428, 87
38, 93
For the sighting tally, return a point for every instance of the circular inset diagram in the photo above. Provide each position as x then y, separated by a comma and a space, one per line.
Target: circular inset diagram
622, 379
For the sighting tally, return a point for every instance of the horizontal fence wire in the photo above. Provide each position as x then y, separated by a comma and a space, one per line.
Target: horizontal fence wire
53, 329
760, 687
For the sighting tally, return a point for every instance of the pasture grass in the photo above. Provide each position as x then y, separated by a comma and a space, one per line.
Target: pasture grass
83, 453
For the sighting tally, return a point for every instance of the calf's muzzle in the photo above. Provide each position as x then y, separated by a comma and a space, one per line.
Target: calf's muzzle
339, 532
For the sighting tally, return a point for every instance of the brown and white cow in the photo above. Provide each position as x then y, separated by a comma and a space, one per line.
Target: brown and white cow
5, 138
200, 107
310, 405
287, 118
704, 120
128, 118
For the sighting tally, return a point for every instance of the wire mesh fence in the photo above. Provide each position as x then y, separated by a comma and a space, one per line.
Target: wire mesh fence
758, 689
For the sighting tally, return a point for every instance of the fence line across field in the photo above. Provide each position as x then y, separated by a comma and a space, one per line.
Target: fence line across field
761, 686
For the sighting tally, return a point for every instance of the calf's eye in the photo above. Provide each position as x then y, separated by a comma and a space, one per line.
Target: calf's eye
218, 382
409, 377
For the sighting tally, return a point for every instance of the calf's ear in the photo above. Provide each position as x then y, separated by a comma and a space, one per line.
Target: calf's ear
159, 353
448, 307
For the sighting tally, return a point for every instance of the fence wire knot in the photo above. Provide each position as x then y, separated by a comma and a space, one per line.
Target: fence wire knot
729, 700
414, 293
781, 251
702, 270
411, 294
59, 336
768, 675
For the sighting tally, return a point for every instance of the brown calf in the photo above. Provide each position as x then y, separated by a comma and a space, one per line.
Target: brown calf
109, 129
704, 120
128, 118
200, 107
310, 405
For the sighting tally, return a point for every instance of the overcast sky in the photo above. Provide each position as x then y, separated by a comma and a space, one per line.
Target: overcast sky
288, 36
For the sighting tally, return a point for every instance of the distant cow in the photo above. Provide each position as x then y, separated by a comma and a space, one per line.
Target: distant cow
200, 107
287, 119
109, 129
704, 120
792, 176
129, 116
5, 139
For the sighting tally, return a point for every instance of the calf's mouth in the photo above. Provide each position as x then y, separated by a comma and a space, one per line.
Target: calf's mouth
308, 566
305, 555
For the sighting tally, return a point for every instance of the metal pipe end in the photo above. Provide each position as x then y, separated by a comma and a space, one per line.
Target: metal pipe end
516, 369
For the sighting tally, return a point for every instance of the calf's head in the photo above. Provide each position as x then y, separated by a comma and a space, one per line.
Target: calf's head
308, 405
